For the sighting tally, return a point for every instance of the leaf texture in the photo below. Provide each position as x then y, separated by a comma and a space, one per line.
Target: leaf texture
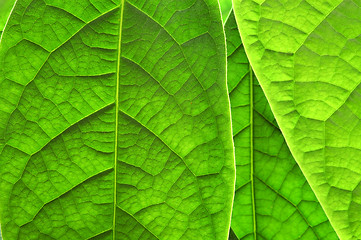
306, 56
5, 9
226, 6
273, 199
115, 121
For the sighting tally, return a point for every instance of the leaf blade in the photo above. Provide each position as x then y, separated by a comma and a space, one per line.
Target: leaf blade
5, 9
311, 117
277, 182
114, 144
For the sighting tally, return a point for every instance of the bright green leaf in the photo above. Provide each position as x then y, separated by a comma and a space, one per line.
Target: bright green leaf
5, 9
273, 199
306, 55
226, 7
115, 121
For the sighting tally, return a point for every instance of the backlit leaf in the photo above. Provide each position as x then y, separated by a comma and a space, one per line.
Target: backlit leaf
115, 121
306, 55
5, 9
273, 199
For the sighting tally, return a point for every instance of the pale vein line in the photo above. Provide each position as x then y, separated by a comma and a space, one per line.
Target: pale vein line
242, 186
64, 193
317, 25
241, 130
56, 136
239, 83
7, 22
48, 57
252, 149
160, 139
266, 119
98, 234
117, 118
141, 224
289, 201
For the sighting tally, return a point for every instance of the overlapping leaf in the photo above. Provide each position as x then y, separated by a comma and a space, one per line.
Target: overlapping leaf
5, 9
306, 55
226, 6
273, 199
115, 121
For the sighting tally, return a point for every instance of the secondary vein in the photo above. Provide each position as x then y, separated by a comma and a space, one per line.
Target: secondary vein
117, 118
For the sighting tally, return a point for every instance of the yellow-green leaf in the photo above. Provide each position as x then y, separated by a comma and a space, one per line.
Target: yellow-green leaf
306, 55
5, 9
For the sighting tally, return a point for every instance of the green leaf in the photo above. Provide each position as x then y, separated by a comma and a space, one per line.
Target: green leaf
226, 7
306, 55
115, 121
5, 9
273, 199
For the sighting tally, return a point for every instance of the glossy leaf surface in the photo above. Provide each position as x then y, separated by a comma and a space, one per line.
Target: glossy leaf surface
306, 55
115, 121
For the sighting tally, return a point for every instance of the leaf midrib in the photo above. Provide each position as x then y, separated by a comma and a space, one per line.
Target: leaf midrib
117, 117
252, 153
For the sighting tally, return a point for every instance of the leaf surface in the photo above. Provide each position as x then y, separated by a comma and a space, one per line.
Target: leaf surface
306, 55
115, 121
226, 7
5, 9
273, 199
